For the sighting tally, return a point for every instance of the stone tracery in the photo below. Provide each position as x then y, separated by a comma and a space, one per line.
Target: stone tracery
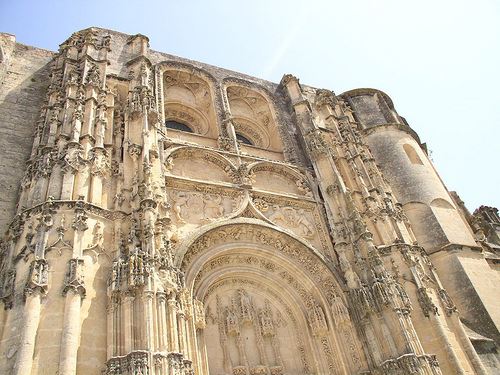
206, 255
252, 117
189, 99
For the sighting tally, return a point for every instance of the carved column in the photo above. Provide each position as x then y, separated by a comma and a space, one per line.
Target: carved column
172, 323
345, 329
72, 161
111, 329
193, 347
73, 156
24, 360
78, 116
74, 291
128, 326
81, 184
162, 322
181, 326
71, 333
99, 170
149, 333
36, 286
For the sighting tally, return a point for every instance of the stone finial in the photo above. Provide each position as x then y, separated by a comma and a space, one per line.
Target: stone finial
287, 78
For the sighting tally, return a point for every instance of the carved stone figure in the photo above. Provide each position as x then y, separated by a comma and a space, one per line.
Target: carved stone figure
98, 234
178, 204
293, 219
213, 206
232, 322
164, 216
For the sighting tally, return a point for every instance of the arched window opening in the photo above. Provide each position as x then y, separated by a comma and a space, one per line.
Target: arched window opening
243, 139
170, 124
254, 117
188, 100
412, 154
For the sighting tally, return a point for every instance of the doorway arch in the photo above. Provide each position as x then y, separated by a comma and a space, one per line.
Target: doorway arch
267, 299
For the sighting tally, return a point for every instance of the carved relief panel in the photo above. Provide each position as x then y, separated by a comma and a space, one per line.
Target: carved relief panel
300, 217
195, 208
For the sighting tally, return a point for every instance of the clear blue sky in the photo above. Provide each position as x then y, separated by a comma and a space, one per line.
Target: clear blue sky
438, 60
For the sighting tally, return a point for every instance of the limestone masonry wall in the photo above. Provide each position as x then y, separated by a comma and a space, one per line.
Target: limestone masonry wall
24, 78
164, 216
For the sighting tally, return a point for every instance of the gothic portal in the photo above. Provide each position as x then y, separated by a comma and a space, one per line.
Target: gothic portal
166, 217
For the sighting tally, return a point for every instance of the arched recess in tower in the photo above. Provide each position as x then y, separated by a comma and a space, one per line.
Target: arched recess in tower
267, 302
188, 97
254, 118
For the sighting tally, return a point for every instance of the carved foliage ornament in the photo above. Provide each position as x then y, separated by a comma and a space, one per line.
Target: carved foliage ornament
253, 100
267, 237
75, 277
100, 163
198, 207
93, 76
80, 219
84, 38
72, 159
316, 143
325, 97
38, 278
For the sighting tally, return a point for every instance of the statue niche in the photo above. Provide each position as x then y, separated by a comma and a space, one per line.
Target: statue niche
248, 327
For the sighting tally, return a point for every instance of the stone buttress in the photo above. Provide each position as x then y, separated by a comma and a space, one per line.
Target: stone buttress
177, 218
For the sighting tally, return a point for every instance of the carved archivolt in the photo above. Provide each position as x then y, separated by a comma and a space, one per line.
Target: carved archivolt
197, 163
252, 117
266, 310
262, 236
280, 178
188, 99
191, 116
224, 264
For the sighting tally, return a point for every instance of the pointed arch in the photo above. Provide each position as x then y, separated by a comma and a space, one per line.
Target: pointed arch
189, 96
253, 116
192, 162
284, 179
243, 269
258, 233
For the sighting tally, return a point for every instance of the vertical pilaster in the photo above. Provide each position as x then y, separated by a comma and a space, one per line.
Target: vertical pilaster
36, 287
71, 333
127, 322
162, 322
31, 313
74, 291
172, 323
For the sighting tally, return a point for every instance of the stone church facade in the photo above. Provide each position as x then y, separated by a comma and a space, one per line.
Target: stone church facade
163, 216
